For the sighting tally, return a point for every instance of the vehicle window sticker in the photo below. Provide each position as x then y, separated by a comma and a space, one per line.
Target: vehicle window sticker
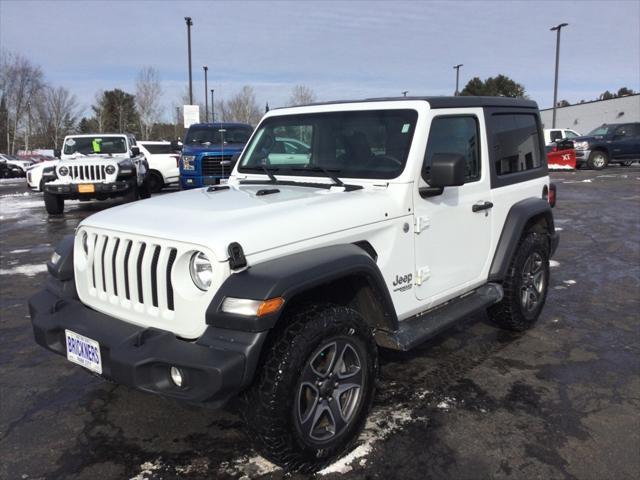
405, 127
95, 144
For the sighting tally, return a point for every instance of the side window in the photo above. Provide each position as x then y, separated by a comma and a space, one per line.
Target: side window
556, 135
455, 134
516, 143
623, 131
570, 134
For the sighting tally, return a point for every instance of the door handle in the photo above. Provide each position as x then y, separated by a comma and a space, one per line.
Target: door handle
481, 206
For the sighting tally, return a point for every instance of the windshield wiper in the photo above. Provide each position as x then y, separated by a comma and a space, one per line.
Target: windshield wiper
267, 171
327, 172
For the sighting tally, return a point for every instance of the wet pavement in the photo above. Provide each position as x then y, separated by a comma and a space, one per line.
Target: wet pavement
559, 401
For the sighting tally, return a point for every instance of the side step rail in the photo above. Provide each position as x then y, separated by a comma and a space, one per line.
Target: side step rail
415, 330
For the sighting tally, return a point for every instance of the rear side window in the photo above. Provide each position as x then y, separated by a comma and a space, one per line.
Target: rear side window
154, 149
555, 135
455, 134
516, 143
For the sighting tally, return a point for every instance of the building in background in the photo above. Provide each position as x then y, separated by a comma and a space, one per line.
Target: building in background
584, 117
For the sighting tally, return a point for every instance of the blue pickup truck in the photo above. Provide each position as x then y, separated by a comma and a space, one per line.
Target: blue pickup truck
208, 152
613, 143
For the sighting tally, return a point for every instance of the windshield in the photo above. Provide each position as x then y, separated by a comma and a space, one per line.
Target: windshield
206, 135
600, 131
97, 144
157, 148
363, 144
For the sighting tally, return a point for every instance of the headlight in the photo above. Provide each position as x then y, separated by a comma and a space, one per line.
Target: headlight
201, 271
110, 169
188, 162
63, 171
581, 145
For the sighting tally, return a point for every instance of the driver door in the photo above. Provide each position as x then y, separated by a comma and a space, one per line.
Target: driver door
452, 238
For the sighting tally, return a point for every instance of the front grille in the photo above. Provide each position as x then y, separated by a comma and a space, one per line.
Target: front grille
213, 166
131, 272
87, 173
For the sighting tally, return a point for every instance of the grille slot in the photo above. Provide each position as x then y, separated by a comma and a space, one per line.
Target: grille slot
87, 173
212, 166
131, 270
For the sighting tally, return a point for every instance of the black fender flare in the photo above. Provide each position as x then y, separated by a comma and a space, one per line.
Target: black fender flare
294, 274
519, 215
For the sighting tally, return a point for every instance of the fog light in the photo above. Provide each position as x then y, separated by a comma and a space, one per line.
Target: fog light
176, 376
55, 257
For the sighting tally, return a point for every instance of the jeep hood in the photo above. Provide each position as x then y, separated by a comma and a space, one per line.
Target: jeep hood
257, 222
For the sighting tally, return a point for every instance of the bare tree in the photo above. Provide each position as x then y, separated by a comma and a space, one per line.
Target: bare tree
148, 94
20, 81
242, 107
58, 111
301, 95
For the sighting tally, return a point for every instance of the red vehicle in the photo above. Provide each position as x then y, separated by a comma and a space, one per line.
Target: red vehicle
561, 155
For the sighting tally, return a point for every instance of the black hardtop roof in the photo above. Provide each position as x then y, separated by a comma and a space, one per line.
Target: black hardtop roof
445, 102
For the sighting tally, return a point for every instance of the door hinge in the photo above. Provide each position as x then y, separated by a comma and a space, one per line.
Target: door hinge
422, 275
421, 223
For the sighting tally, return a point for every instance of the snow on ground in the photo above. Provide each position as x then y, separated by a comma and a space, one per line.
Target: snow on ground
20, 250
28, 270
554, 263
586, 180
569, 282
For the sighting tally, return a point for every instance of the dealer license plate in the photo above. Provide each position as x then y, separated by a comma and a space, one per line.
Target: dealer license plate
86, 188
83, 351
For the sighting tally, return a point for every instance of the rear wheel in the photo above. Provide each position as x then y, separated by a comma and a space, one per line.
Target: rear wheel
598, 160
315, 388
526, 285
156, 182
54, 204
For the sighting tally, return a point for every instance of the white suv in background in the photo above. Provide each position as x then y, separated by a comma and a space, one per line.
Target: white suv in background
163, 164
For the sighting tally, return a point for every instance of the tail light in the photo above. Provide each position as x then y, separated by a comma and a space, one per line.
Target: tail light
177, 157
549, 194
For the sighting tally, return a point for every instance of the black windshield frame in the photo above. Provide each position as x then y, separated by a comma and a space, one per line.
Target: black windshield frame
367, 144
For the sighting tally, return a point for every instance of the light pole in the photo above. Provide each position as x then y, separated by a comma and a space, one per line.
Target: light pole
189, 24
177, 121
457, 69
557, 28
213, 109
206, 98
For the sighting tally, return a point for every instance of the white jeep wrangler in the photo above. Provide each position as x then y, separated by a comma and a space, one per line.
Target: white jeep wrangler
95, 166
401, 218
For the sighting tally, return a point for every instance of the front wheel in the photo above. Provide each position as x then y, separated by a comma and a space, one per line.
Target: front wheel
315, 388
525, 286
54, 204
598, 160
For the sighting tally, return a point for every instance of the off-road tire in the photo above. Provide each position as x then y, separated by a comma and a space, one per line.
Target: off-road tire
598, 160
54, 204
511, 313
156, 182
133, 193
144, 191
272, 406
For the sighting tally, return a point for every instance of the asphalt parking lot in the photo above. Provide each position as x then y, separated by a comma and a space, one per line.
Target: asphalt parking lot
559, 401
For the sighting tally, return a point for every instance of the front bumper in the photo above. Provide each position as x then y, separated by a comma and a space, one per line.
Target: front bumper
215, 367
582, 156
73, 189
198, 181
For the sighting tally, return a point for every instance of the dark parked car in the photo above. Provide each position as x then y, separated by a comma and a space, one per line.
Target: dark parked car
613, 143
8, 170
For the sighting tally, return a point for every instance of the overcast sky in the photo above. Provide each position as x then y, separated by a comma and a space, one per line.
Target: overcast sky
342, 50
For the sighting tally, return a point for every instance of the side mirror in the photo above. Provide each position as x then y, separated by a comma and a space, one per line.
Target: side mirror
175, 146
57, 153
447, 170
135, 151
